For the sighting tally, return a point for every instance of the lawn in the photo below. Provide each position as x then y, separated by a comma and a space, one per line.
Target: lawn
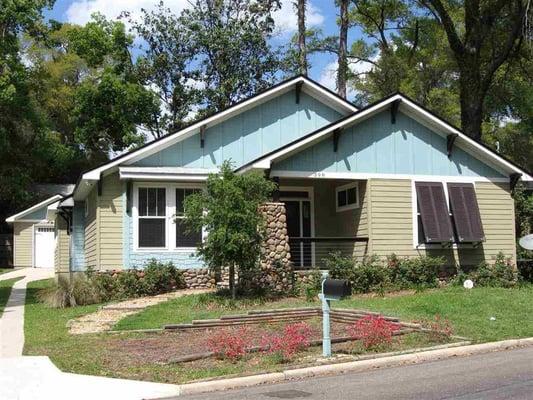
4, 270
143, 355
5, 291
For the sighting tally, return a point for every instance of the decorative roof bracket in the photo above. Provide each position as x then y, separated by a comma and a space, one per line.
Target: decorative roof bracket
450, 140
394, 110
298, 91
100, 184
513, 180
202, 136
336, 136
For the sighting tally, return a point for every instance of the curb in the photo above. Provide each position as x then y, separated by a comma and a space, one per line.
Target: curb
352, 366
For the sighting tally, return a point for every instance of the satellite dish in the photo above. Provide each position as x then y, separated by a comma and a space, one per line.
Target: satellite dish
526, 242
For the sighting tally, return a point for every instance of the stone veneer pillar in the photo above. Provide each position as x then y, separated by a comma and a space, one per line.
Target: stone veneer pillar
276, 272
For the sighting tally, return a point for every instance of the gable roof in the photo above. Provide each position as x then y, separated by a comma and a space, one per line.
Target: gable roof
411, 108
20, 216
306, 84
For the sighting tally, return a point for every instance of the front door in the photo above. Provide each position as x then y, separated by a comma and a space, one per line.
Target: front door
298, 227
44, 247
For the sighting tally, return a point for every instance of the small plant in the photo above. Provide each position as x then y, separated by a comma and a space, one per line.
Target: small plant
365, 276
162, 277
419, 272
313, 286
439, 329
77, 291
294, 338
374, 331
500, 274
231, 344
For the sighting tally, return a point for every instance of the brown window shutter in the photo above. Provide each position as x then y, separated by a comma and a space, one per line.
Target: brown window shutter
465, 212
434, 212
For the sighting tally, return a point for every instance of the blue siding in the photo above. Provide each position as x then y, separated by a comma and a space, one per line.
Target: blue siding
133, 259
77, 239
377, 146
37, 215
248, 135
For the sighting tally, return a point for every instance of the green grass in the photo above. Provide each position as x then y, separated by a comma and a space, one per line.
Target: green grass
468, 311
5, 291
47, 333
4, 270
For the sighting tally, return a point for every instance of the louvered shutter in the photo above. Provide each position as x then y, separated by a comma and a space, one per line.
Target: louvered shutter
465, 212
434, 212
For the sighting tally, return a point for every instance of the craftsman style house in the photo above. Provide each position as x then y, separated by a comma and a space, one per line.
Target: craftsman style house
389, 178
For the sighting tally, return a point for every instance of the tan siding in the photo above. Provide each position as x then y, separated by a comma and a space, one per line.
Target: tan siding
62, 253
91, 241
23, 238
110, 223
392, 227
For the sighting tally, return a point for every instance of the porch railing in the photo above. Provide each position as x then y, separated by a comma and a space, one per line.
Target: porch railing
310, 252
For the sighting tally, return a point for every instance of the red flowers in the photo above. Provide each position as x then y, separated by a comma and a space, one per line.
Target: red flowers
295, 337
373, 330
230, 343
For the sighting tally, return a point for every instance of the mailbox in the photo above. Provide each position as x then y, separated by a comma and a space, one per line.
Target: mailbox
336, 288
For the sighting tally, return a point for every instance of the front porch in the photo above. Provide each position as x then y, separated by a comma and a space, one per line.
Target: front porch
324, 216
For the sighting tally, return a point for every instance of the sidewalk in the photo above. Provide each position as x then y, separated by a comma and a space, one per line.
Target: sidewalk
12, 320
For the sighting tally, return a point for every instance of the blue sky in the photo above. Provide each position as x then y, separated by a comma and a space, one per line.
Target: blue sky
322, 14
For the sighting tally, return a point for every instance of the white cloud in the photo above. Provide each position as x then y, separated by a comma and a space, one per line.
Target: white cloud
286, 18
79, 12
328, 76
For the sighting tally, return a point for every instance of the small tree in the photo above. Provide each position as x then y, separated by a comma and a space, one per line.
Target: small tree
228, 210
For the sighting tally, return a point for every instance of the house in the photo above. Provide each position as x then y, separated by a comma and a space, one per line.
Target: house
33, 229
389, 178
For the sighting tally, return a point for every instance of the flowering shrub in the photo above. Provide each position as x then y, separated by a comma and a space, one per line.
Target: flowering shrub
373, 330
440, 329
295, 337
230, 343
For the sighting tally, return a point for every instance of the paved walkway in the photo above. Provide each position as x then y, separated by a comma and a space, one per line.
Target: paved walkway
106, 317
12, 320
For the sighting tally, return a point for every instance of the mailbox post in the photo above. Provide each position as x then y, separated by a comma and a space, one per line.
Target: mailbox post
332, 289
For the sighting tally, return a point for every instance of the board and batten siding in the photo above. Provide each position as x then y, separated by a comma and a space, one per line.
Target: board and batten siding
62, 252
246, 136
23, 239
391, 223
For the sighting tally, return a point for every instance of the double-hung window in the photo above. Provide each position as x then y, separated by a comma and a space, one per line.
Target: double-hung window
152, 217
185, 237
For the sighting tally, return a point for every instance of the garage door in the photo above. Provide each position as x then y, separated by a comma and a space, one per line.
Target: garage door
44, 247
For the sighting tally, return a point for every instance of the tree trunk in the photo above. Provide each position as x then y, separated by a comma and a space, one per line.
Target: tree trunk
302, 50
472, 99
232, 285
342, 70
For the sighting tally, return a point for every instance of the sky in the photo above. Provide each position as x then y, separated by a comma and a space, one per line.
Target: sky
320, 14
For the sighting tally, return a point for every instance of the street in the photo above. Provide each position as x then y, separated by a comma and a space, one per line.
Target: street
492, 376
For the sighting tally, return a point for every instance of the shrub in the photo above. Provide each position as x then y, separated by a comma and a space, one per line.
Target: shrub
525, 270
364, 276
294, 338
231, 344
160, 277
440, 329
500, 274
373, 330
77, 291
312, 288
419, 272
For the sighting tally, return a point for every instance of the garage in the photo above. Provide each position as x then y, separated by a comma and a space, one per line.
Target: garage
43, 246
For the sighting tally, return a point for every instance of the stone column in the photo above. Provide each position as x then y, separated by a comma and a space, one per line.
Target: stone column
276, 269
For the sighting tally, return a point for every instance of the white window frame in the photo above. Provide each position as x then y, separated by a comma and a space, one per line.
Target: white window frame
414, 204
345, 188
170, 214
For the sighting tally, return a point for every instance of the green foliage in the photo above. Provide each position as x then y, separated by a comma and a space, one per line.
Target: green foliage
313, 286
500, 274
228, 210
77, 291
162, 277
371, 274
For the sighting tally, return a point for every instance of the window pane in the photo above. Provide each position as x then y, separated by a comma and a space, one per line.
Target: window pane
152, 202
341, 198
185, 238
161, 202
143, 201
180, 196
352, 195
151, 232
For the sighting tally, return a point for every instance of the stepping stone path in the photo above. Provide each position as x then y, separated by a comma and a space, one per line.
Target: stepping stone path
106, 317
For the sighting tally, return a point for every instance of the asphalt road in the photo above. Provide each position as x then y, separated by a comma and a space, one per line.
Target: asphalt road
492, 376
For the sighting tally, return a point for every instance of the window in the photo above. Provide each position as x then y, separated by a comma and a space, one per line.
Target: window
347, 197
152, 217
184, 237
446, 213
